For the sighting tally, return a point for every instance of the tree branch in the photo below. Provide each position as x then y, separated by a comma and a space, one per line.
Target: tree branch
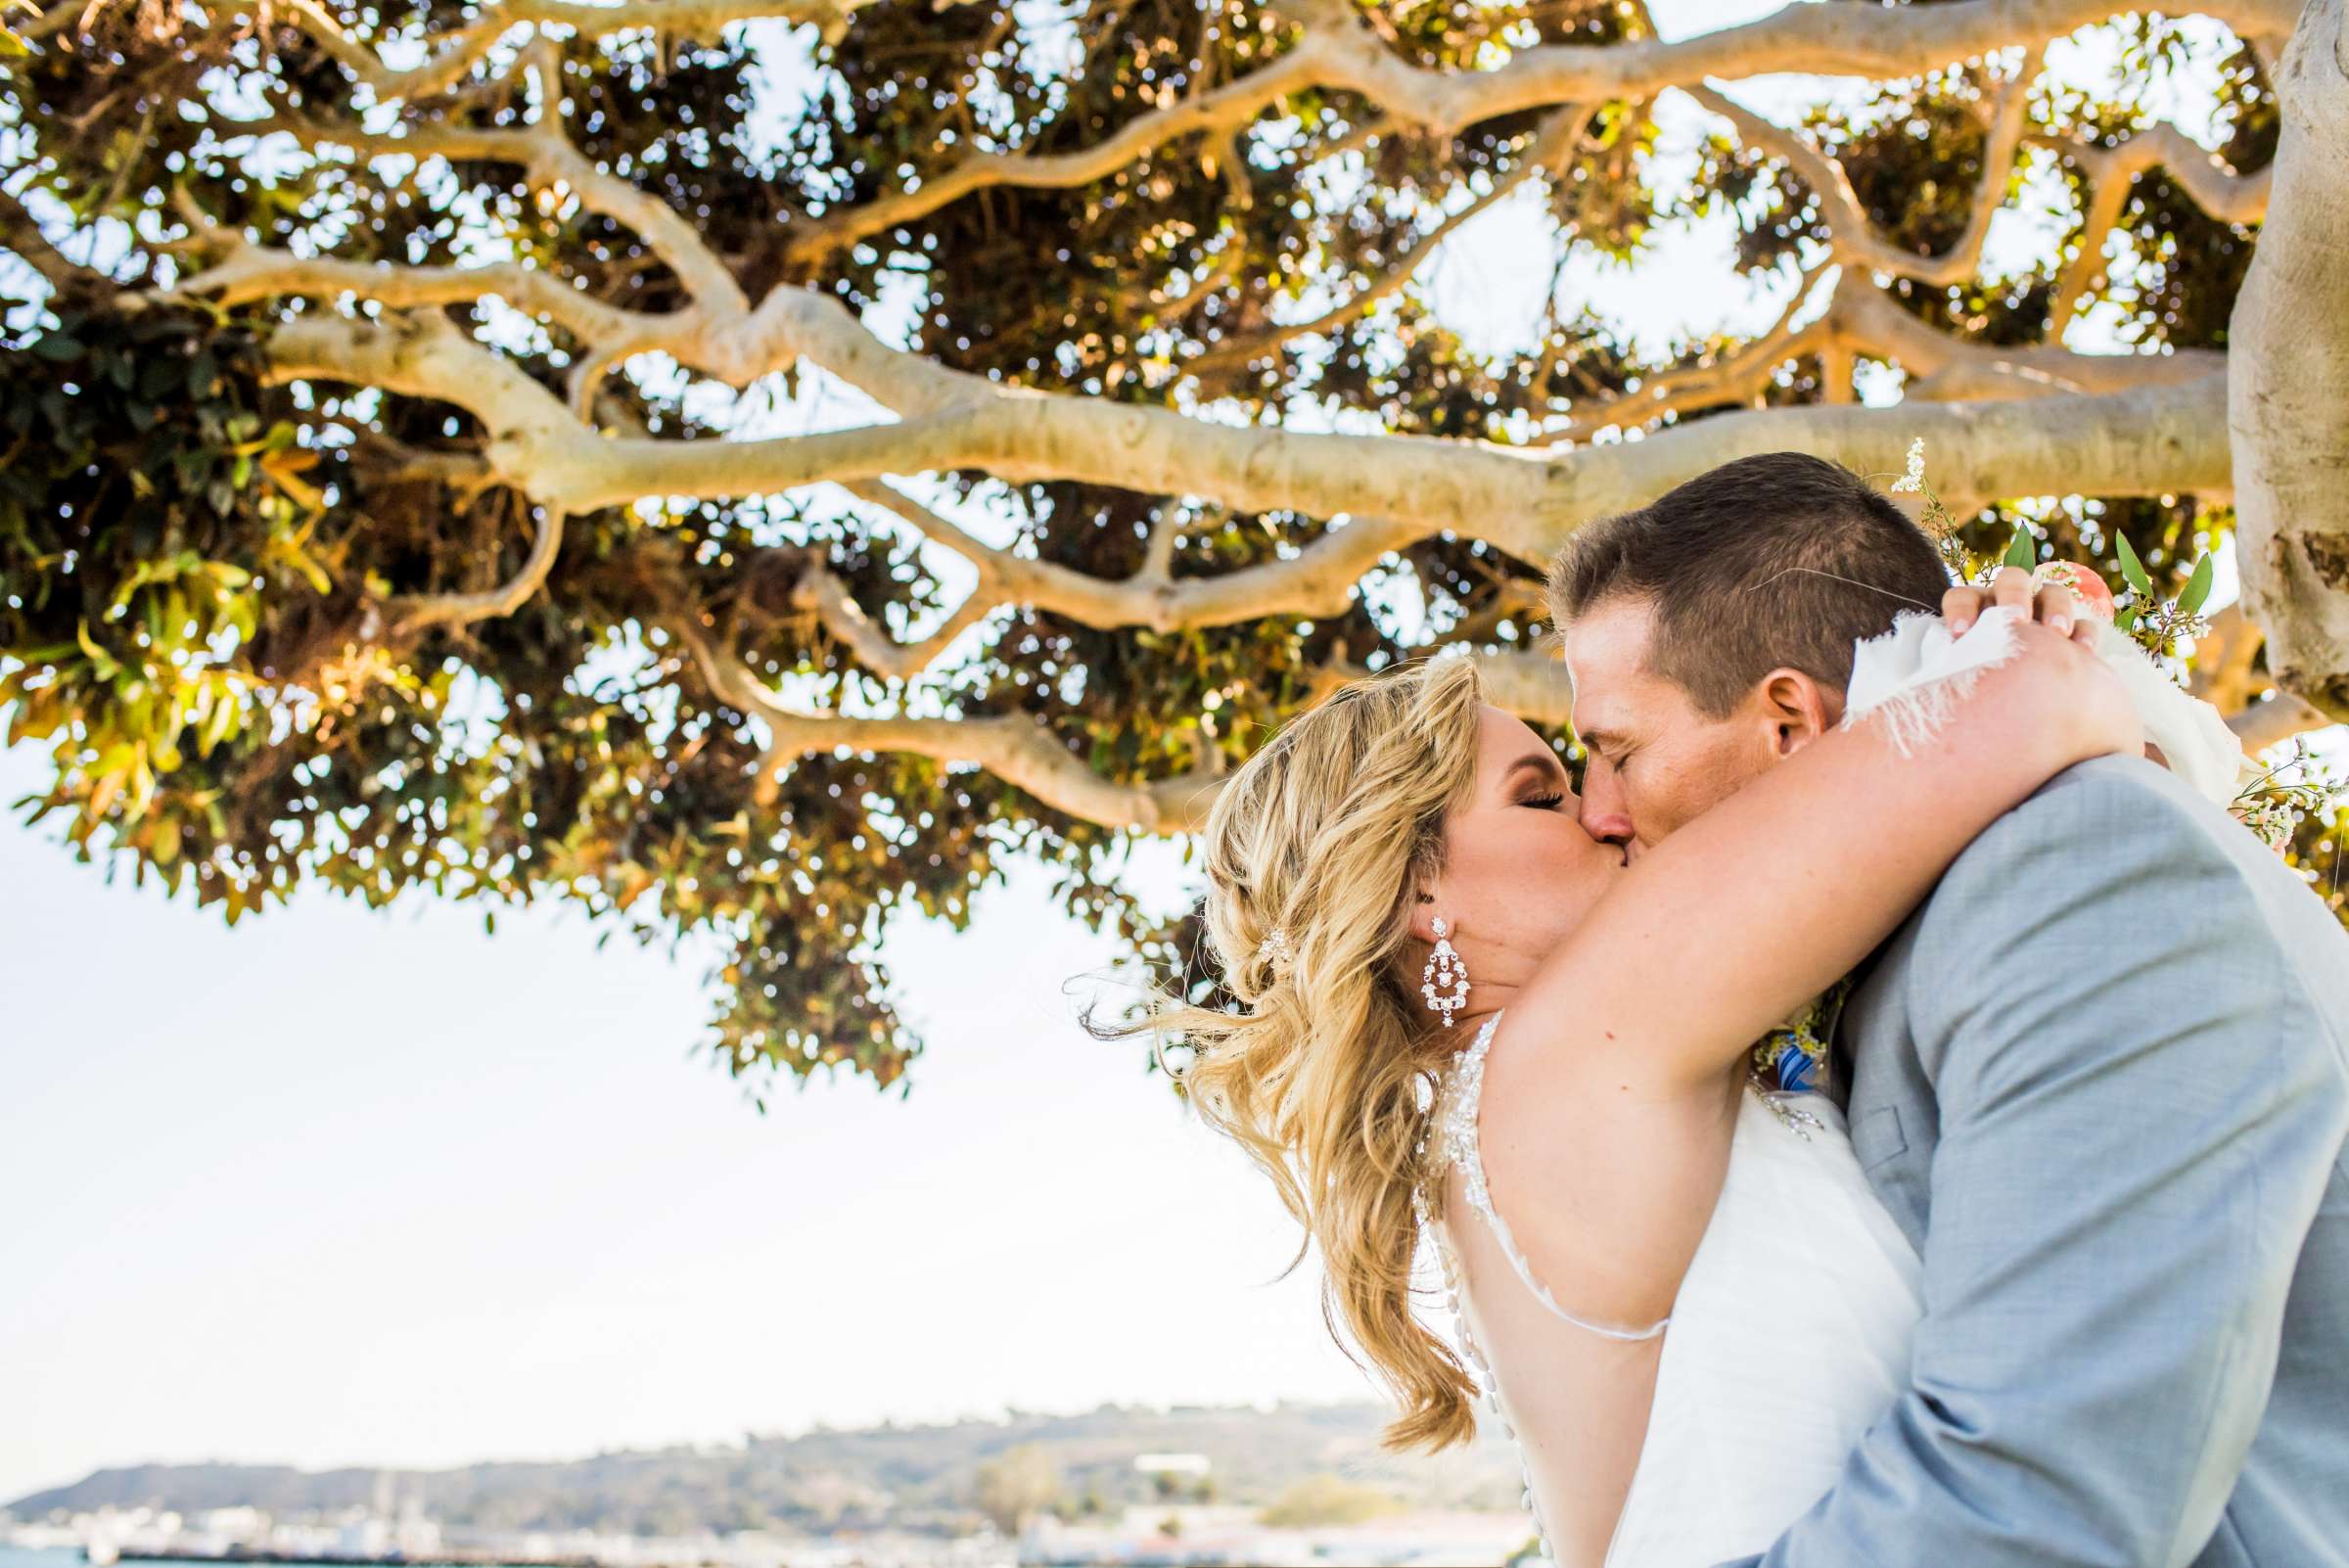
1945, 369
2157, 438
1335, 51
1225, 109
1710, 382
1319, 579
455, 54
1019, 750
2223, 675
2111, 171
1827, 40
415, 612
828, 598
548, 162
1534, 686
2276, 720
1851, 238
249, 272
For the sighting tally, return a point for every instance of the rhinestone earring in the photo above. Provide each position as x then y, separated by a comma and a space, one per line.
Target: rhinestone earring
1444, 973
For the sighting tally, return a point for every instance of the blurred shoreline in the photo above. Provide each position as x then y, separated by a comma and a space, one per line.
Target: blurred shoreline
1183, 1488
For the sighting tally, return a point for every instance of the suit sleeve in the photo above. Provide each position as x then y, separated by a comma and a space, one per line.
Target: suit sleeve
2139, 1107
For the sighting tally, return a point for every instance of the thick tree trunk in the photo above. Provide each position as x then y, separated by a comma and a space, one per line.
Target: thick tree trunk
2287, 404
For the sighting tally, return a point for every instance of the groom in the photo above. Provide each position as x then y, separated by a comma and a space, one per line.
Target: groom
2100, 1077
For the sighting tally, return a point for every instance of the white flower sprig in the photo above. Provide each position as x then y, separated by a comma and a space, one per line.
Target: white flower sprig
2274, 805
1913, 479
1935, 518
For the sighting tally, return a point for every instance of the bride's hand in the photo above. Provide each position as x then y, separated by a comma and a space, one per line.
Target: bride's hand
2081, 695
2053, 605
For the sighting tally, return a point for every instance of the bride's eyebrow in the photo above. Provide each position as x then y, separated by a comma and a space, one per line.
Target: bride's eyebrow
1541, 762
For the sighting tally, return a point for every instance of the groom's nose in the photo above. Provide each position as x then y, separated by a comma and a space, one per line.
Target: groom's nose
1604, 815
1608, 827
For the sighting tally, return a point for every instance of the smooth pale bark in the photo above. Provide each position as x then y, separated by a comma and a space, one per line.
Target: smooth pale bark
2289, 393
2164, 438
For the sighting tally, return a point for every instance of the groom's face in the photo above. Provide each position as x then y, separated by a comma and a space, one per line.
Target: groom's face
1657, 762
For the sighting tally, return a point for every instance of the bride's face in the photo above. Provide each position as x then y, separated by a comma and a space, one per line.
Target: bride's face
1519, 871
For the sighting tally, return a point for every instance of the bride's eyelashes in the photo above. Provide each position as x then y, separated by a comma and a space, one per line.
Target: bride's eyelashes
1545, 802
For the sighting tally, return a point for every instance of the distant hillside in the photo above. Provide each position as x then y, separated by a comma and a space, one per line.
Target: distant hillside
279, 1488
912, 1477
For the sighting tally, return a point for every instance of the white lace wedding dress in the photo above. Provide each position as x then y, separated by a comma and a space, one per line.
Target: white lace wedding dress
1788, 1338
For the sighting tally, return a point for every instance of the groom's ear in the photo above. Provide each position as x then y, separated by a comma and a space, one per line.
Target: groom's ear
1797, 710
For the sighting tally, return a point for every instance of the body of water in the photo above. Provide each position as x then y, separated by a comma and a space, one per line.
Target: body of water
71, 1557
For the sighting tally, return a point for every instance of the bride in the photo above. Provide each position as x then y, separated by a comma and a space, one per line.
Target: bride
1459, 1015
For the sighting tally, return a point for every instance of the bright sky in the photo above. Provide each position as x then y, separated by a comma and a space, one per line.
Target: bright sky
346, 1187
342, 1187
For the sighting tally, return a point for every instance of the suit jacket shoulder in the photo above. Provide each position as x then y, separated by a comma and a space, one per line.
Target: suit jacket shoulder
2085, 904
2118, 851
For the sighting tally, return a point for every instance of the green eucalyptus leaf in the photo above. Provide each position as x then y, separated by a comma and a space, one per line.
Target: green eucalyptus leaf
2197, 586
2132, 570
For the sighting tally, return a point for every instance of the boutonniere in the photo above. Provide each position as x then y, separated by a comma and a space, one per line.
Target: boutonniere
1793, 1057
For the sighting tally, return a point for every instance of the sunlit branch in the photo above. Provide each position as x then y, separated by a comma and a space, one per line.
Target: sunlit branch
1017, 750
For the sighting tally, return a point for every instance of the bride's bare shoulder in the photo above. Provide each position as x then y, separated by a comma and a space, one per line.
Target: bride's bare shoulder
1604, 1181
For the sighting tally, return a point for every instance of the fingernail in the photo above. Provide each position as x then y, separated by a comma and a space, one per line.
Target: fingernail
2062, 623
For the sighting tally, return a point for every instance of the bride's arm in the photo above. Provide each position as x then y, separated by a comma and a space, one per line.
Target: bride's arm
1611, 1090
1712, 937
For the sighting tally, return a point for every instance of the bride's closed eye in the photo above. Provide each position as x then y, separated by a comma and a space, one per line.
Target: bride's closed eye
1545, 802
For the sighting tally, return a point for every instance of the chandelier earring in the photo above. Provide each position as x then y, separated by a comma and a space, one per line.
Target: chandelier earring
1444, 981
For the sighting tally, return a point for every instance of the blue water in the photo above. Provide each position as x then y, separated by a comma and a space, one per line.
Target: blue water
71, 1557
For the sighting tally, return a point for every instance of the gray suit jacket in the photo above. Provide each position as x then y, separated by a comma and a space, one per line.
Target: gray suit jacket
2102, 1080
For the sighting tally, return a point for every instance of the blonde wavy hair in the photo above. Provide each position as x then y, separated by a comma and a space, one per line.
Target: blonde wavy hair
1325, 835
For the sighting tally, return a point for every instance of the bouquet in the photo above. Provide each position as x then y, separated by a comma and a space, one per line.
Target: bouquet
2269, 798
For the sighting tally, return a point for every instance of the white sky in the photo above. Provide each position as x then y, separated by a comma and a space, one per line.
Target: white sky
345, 1187
341, 1188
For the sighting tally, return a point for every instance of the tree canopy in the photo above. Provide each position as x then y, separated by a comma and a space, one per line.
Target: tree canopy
754, 466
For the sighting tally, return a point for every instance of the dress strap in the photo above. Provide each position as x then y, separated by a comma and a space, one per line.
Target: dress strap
1457, 1106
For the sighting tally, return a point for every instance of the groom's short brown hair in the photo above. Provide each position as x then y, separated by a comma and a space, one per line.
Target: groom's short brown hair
1778, 561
